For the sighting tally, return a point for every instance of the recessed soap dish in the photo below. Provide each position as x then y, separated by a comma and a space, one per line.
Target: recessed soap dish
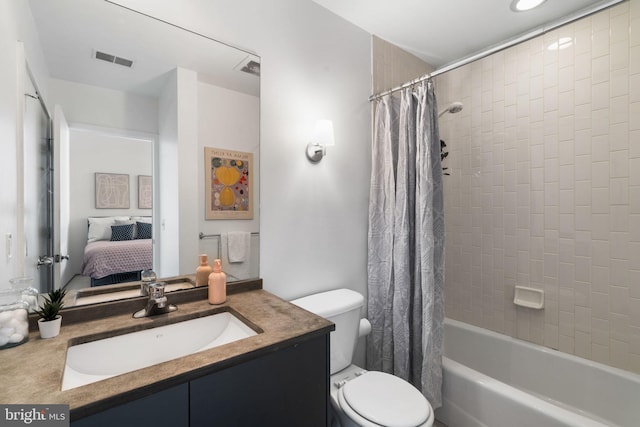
529, 297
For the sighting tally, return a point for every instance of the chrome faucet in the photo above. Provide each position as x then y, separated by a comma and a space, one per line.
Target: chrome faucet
157, 302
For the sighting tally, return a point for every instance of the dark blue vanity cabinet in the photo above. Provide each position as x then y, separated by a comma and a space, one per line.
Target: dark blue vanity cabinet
166, 408
285, 387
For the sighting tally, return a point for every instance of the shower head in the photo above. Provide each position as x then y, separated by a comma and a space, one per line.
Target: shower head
455, 107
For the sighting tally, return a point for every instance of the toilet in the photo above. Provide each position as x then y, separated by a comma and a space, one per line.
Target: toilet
360, 397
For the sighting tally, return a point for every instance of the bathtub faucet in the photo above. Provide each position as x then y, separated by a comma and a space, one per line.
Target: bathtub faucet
157, 302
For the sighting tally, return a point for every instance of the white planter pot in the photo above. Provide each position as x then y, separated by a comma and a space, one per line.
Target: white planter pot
51, 328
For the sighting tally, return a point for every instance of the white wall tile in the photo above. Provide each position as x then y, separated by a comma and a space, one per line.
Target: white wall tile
582, 67
600, 95
583, 193
600, 148
634, 59
619, 164
620, 82
619, 136
634, 116
600, 43
619, 109
619, 55
547, 189
600, 174
583, 219
619, 191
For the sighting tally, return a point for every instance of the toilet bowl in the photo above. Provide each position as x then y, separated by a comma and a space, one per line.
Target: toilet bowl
374, 399
359, 397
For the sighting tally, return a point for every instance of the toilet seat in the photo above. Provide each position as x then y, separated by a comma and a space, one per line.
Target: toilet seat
377, 399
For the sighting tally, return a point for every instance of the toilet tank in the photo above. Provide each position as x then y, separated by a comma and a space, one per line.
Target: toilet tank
342, 307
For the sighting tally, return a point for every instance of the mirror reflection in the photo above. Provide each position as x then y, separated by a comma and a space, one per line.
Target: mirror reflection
134, 103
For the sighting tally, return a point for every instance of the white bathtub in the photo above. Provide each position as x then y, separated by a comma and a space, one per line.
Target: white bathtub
494, 380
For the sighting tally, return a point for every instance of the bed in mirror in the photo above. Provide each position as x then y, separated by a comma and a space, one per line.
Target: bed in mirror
133, 103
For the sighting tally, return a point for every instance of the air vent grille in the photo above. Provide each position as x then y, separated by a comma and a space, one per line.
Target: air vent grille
252, 67
113, 59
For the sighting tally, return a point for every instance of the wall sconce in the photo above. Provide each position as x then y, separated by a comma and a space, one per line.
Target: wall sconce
322, 138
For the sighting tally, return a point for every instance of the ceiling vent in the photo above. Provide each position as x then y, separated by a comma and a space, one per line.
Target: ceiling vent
113, 59
250, 65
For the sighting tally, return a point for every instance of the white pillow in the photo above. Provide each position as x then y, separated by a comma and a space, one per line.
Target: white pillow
100, 227
146, 219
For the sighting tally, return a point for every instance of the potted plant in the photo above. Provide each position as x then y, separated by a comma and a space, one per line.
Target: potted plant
50, 319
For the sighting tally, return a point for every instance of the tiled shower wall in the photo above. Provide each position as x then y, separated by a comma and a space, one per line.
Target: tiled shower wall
544, 188
392, 66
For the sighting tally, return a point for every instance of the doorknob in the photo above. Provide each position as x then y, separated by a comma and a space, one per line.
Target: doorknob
49, 260
44, 260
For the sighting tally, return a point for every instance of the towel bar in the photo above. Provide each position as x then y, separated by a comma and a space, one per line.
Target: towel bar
204, 236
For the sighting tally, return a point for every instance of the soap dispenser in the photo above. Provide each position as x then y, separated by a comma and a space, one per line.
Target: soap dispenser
217, 284
203, 271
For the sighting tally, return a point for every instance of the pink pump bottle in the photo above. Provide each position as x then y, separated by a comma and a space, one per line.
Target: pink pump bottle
217, 284
203, 271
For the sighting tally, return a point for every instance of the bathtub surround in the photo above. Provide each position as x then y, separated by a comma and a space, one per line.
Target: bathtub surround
495, 380
545, 188
406, 241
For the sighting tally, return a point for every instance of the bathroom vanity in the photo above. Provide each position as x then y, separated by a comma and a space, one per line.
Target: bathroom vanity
279, 375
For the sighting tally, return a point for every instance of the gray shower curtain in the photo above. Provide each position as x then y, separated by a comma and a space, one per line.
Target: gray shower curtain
406, 241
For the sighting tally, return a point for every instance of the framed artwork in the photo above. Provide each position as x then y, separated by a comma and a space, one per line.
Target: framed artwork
145, 192
112, 191
228, 186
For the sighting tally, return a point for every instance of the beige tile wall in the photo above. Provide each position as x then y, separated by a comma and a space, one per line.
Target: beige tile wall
393, 66
545, 188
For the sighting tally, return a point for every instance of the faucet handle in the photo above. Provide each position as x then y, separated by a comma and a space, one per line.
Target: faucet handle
156, 290
157, 302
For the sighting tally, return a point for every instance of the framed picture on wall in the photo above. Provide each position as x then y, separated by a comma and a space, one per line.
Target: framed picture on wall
145, 192
228, 184
112, 191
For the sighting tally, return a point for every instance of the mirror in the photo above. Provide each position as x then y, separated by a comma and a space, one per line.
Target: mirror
142, 99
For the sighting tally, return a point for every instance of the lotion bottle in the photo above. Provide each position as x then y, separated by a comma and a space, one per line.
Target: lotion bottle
203, 271
217, 284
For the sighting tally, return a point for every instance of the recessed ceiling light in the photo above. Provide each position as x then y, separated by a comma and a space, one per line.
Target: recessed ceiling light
522, 5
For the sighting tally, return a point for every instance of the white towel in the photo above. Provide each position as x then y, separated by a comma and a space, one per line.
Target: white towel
239, 243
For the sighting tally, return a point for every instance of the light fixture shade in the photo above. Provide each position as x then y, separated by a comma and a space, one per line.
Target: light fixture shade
323, 134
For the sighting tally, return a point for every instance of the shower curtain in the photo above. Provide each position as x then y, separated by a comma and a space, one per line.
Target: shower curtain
406, 241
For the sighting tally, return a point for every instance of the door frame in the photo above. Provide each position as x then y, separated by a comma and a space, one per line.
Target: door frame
24, 72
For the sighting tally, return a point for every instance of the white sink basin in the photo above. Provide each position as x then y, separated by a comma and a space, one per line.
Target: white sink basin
105, 358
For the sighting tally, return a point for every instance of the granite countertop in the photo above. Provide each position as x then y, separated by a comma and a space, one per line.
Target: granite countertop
32, 373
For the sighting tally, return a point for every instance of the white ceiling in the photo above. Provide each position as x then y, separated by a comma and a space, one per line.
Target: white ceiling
443, 31
71, 30
438, 31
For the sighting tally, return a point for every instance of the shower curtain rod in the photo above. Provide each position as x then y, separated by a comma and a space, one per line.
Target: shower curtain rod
402, 86
512, 42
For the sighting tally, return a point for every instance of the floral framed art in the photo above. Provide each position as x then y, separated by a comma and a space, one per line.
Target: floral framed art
228, 184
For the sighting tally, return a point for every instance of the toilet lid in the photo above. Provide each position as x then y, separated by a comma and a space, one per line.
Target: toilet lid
386, 400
